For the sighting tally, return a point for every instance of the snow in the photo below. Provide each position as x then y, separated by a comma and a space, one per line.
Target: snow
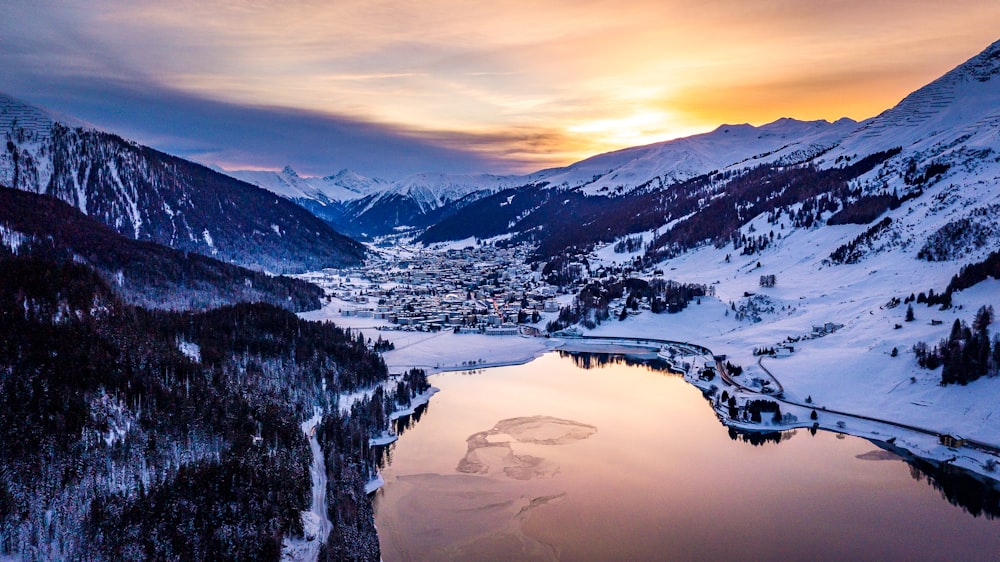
315, 522
207, 237
727, 147
383, 439
374, 484
190, 349
415, 402
343, 186
132, 207
12, 239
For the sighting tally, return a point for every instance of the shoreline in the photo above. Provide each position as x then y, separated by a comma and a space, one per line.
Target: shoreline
921, 445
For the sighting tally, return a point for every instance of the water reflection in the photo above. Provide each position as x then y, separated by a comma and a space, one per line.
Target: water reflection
590, 360
557, 460
758, 438
967, 490
381, 455
971, 492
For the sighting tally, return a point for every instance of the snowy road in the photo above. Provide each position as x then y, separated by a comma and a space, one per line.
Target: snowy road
315, 522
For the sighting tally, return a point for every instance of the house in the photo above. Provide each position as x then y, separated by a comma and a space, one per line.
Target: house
504, 330
952, 441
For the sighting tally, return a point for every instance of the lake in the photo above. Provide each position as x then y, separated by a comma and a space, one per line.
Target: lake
592, 457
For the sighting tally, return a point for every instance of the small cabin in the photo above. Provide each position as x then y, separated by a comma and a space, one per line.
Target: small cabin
951, 441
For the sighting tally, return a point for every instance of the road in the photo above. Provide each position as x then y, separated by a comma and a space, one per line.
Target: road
779, 395
975, 444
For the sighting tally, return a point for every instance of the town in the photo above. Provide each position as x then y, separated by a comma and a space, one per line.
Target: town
477, 289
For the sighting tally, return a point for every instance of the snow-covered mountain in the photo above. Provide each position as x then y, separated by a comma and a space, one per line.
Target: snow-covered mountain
727, 147
345, 185
433, 190
963, 104
148, 195
363, 206
937, 151
892, 238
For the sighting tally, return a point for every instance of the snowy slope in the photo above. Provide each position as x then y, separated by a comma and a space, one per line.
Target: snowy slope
148, 195
962, 104
729, 146
949, 136
345, 185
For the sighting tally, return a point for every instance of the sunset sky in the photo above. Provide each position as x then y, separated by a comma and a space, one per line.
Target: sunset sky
389, 88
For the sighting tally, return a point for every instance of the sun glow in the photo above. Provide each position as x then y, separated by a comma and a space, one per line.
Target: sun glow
535, 83
639, 128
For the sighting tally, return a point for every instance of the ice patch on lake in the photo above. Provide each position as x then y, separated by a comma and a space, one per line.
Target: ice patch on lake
487, 451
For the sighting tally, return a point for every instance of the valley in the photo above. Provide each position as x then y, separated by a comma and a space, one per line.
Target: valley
201, 363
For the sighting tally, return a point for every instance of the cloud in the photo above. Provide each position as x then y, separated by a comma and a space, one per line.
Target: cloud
237, 136
454, 85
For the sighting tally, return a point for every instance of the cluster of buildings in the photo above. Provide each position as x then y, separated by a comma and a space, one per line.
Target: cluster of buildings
478, 289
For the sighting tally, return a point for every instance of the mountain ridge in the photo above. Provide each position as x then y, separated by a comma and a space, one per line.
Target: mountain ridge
149, 195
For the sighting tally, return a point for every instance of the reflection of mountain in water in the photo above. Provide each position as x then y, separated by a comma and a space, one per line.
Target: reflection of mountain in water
591, 360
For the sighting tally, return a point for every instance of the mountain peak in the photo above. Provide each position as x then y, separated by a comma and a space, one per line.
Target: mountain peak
343, 174
288, 171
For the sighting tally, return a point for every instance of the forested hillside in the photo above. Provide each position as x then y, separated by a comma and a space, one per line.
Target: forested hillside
129, 434
142, 273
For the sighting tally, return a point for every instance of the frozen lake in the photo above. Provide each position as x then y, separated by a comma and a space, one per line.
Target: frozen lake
555, 461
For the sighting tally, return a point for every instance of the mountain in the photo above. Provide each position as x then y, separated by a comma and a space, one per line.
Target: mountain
141, 273
345, 185
727, 147
934, 154
148, 195
366, 207
373, 208
963, 104
638, 188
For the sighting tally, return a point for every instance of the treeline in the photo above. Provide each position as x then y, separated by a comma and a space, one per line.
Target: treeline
867, 208
852, 252
143, 273
966, 354
713, 206
970, 275
591, 306
136, 435
767, 189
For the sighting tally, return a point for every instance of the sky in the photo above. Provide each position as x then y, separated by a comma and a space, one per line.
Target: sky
389, 88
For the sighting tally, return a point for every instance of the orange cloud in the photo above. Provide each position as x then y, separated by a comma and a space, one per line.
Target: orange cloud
542, 82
